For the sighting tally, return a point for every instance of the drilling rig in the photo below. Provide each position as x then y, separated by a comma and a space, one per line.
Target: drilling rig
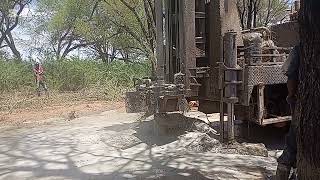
203, 54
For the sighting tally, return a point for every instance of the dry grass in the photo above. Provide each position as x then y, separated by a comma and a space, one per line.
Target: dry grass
19, 108
10, 102
73, 85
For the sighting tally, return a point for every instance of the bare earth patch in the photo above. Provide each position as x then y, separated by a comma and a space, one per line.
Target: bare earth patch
22, 109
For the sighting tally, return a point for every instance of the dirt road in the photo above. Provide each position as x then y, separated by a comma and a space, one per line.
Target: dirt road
113, 145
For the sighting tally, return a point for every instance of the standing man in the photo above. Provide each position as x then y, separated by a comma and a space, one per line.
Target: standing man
39, 77
288, 159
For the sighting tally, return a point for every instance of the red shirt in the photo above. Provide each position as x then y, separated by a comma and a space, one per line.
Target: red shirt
38, 71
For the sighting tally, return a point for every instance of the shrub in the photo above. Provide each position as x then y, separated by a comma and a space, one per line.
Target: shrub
74, 75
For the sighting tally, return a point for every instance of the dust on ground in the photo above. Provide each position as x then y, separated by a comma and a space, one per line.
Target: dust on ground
117, 146
195, 135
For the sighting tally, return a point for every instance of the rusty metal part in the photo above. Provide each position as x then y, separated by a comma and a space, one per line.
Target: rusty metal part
159, 40
230, 81
255, 75
286, 34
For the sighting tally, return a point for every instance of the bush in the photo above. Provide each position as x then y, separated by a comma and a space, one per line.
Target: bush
73, 76
15, 76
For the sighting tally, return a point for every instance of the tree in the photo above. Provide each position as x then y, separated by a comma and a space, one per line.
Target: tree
308, 108
254, 13
101, 34
10, 11
66, 19
136, 19
110, 28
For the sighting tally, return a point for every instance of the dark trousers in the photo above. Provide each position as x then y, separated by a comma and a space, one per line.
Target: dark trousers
40, 84
289, 155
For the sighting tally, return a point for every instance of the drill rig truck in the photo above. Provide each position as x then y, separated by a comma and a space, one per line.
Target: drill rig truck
204, 55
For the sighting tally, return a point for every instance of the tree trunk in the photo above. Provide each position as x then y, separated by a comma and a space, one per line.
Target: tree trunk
113, 54
243, 14
104, 58
308, 107
10, 42
250, 14
103, 54
268, 13
255, 13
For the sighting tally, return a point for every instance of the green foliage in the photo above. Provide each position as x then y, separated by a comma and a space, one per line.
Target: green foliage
71, 12
15, 76
103, 25
74, 75
272, 11
132, 17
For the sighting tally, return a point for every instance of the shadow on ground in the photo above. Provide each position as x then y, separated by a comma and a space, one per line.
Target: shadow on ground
273, 137
86, 151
